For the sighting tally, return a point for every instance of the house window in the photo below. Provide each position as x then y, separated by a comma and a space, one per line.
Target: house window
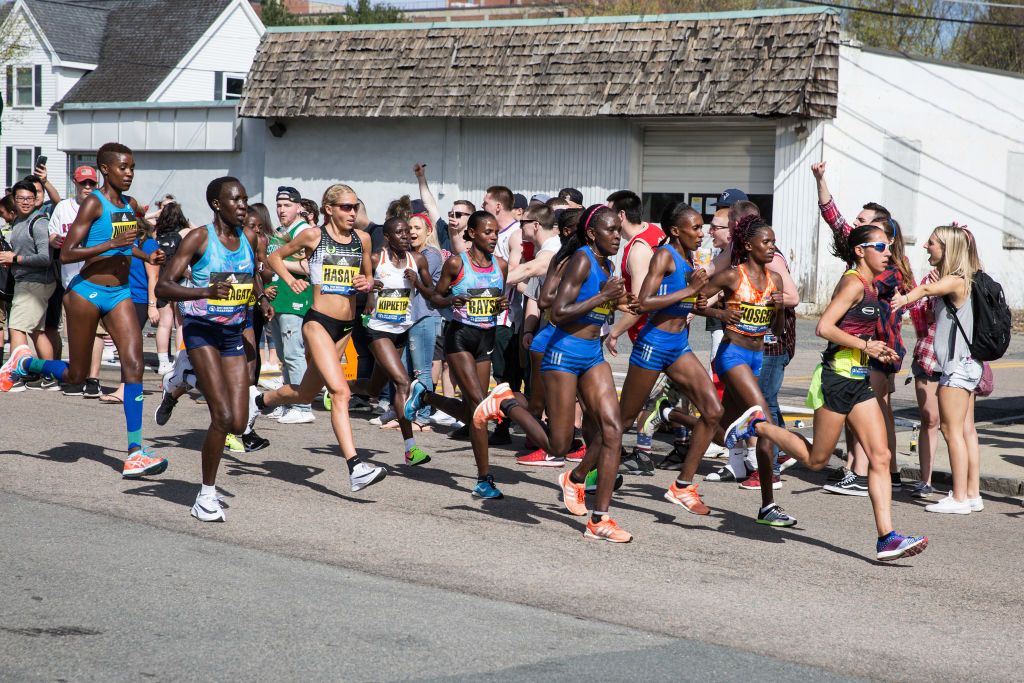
233, 87
24, 86
24, 163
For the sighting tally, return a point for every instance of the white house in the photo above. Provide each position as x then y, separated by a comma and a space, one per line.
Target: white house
161, 76
673, 106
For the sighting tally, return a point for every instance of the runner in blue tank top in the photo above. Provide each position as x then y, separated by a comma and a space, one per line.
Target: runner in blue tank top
103, 235
668, 294
215, 302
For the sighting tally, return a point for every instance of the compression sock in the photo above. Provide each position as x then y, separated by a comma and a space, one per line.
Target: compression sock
410, 444
133, 414
55, 368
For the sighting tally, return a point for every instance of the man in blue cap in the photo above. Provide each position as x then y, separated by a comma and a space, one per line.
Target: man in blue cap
730, 197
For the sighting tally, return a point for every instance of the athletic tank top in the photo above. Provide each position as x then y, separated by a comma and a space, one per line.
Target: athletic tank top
591, 286
113, 222
218, 264
651, 237
391, 312
333, 265
754, 304
482, 289
676, 281
860, 321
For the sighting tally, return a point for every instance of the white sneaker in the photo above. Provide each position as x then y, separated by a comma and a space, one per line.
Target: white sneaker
165, 367
364, 475
715, 451
949, 506
271, 383
977, 504
442, 419
384, 418
294, 416
208, 509
277, 413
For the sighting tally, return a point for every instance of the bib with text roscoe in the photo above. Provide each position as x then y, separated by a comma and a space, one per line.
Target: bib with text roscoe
755, 318
392, 305
340, 271
237, 299
122, 221
482, 304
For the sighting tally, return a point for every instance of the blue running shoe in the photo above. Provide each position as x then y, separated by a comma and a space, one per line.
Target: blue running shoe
894, 546
487, 489
743, 426
415, 400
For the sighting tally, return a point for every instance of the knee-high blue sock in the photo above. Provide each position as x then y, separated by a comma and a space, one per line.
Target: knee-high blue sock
55, 368
133, 414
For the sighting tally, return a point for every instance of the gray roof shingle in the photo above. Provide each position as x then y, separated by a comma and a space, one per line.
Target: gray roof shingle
74, 29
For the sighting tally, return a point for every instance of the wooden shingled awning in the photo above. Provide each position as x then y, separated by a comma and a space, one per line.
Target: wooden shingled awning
768, 63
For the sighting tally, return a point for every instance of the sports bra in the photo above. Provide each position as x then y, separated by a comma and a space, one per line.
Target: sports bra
592, 285
481, 287
333, 265
755, 305
219, 264
675, 281
113, 222
391, 312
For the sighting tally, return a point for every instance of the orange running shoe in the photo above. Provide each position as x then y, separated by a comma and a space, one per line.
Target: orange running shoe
607, 530
688, 497
573, 495
11, 366
489, 409
142, 463
577, 451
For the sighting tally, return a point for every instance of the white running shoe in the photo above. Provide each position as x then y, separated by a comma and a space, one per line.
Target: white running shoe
276, 413
208, 509
364, 475
165, 367
949, 506
294, 416
443, 419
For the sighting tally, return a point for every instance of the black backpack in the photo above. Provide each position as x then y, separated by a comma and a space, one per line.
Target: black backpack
991, 319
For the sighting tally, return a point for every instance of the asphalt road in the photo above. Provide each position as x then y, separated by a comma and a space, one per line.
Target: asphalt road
413, 579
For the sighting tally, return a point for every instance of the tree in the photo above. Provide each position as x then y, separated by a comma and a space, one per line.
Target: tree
364, 12
993, 46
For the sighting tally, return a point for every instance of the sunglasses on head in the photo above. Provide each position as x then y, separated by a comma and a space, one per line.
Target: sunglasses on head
457, 214
880, 247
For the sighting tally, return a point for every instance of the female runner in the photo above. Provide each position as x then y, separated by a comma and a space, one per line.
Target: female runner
841, 392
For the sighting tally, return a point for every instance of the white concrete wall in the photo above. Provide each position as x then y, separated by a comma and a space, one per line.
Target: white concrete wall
933, 143
229, 45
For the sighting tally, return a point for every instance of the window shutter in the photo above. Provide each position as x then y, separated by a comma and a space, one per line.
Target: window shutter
10, 87
10, 164
39, 85
218, 85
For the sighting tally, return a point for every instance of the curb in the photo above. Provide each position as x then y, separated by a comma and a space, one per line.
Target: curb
1006, 486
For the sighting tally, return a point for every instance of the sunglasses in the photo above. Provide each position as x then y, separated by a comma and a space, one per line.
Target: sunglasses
347, 208
880, 247
457, 214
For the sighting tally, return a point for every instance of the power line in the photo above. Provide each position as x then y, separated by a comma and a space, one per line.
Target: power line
907, 15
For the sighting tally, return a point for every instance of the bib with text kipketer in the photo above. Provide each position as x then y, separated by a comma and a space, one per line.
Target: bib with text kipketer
122, 222
238, 298
340, 271
392, 305
482, 304
755, 318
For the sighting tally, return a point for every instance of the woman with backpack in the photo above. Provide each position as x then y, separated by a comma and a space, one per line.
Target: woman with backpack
953, 255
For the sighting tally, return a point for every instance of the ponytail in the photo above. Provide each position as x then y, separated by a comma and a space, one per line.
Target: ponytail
579, 238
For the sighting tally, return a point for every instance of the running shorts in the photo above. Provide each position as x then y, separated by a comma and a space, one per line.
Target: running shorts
835, 392
731, 355
542, 339
399, 339
462, 338
656, 349
102, 297
566, 353
337, 329
226, 339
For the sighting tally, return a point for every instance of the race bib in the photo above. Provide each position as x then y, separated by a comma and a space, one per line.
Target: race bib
122, 222
482, 304
688, 304
755, 318
599, 315
851, 363
237, 299
392, 305
340, 271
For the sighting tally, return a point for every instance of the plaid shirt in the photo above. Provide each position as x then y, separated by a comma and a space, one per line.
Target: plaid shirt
923, 317
886, 285
786, 342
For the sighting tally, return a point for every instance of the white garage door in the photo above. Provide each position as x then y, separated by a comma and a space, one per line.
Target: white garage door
708, 159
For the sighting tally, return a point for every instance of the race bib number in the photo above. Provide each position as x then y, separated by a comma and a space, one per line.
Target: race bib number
851, 363
122, 222
237, 299
755, 318
340, 271
482, 304
599, 315
688, 303
392, 305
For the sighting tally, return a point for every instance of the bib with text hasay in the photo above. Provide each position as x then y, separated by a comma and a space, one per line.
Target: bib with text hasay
482, 304
340, 271
237, 299
392, 305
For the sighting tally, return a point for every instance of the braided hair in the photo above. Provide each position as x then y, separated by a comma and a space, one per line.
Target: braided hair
579, 238
745, 230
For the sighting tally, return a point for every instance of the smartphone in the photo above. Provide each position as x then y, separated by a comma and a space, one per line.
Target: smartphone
41, 161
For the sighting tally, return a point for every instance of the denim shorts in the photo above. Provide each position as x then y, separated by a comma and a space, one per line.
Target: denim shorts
966, 374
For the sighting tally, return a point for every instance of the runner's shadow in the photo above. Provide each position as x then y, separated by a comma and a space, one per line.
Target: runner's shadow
290, 472
171, 490
190, 440
516, 509
73, 452
670, 514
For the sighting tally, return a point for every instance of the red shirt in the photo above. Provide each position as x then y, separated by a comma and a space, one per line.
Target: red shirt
651, 236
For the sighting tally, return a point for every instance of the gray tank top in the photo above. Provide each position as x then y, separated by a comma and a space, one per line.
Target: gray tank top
950, 346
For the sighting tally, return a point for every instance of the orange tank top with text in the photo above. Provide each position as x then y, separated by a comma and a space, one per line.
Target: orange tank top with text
755, 305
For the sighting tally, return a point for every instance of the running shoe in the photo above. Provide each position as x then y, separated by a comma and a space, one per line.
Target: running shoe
414, 403
838, 474
774, 516
294, 416
165, 408
487, 489
164, 367
327, 402
92, 387
358, 404
753, 482
384, 418
723, 474
416, 456
234, 444
573, 494
540, 458
654, 420
851, 485
443, 419
20, 384
895, 546
44, 383
364, 475
277, 413
897, 480
591, 483
142, 463
636, 462
606, 530
688, 497
489, 409
922, 490
785, 462
10, 368
949, 506
73, 389
577, 451
501, 435
674, 460
208, 509
743, 426
254, 442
